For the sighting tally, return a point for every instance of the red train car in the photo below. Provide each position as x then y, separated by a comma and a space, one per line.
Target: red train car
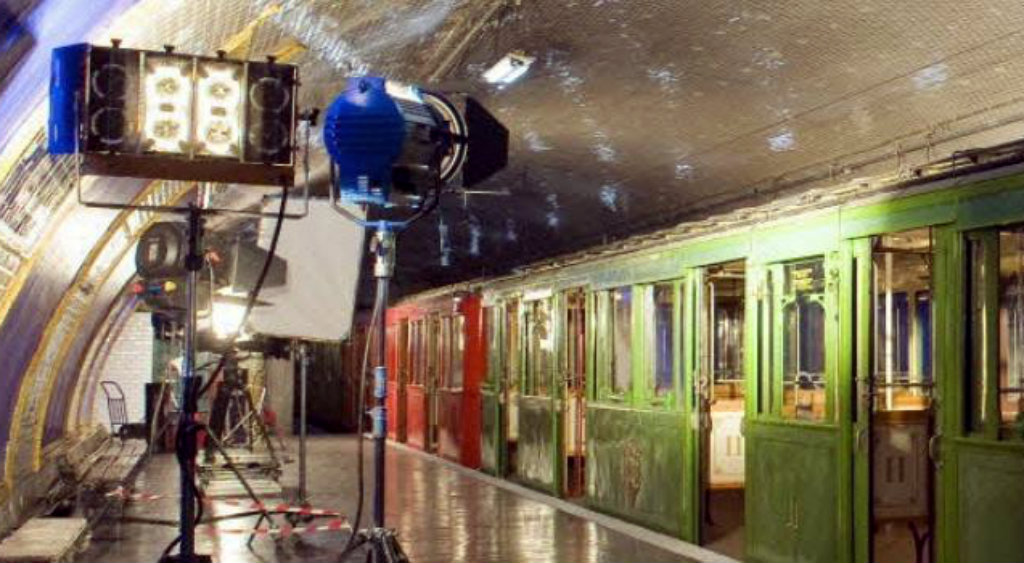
436, 364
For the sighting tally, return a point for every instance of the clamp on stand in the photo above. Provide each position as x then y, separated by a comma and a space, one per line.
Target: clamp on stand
383, 543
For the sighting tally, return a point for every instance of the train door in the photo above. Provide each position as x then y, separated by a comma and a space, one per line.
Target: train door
434, 379
896, 415
574, 395
404, 375
720, 396
510, 388
491, 439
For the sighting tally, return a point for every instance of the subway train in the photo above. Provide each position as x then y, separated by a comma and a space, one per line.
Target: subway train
834, 377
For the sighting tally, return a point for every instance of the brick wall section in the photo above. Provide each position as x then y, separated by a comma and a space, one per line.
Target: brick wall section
130, 364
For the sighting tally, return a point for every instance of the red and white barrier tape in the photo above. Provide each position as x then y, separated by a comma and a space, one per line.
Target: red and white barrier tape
284, 531
282, 508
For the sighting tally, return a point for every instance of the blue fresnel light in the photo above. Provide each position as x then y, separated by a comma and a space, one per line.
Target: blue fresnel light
389, 141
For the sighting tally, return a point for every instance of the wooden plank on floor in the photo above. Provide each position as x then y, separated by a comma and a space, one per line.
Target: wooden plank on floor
43, 540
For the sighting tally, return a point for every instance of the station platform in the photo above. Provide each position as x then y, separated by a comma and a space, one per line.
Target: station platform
442, 512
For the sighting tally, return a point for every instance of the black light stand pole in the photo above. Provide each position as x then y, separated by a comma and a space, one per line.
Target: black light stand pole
303, 374
190, 382
383, 269
383, 545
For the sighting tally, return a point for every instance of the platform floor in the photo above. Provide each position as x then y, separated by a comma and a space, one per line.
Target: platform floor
442, 514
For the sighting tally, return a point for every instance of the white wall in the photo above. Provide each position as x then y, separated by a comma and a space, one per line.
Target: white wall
130, 364
280, 382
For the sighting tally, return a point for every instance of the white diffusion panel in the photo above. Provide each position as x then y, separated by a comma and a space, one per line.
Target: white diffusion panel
324, 253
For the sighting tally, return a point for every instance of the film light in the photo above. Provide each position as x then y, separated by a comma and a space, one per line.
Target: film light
159, 114
218, 106
167, 104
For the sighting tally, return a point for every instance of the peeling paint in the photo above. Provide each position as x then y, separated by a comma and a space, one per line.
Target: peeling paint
552, 217
769, 58
667, 78
931, 78
511, 234
602, 147
611, 197
476, 233
784, 140
684, 171
535, 142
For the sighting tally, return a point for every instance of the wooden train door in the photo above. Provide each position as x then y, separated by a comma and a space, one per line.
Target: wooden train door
720, 406
895, 421
404, 357
574, 395
798, 456
982, 451
435, 374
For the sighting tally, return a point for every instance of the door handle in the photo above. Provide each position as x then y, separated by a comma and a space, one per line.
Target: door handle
934, 451
861, 442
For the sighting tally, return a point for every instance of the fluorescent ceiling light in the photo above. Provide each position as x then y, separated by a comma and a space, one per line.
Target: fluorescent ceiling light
509, 69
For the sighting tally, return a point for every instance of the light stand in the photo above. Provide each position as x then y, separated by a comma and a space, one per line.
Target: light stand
303, 373
385, 137
383, 544
190, 384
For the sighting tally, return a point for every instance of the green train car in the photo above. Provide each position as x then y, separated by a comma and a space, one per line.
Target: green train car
835, 377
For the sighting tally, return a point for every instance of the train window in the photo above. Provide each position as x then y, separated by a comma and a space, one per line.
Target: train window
901, 282
512, 347
660, 319
1011, 330
492, 325
444, 363
403, 356
996, 334
433, 350
540, 347
765, 396
803, 340
415, 346
622, 349
458, 349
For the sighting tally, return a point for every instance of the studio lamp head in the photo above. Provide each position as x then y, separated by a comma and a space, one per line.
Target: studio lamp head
390, 142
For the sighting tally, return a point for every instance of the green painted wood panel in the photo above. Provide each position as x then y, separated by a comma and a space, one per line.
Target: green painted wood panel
490, 435
793, 489
990, 489
635, 467
536, 452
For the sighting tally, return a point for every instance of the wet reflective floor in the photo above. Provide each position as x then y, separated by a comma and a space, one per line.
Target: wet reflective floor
441, 515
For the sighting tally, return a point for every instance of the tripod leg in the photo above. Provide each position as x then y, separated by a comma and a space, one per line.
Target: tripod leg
157, 429
264, 515
264, 433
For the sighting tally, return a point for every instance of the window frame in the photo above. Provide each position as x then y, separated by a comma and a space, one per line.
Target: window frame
774, 334
531, 363
989, 425
606, 389
671, 399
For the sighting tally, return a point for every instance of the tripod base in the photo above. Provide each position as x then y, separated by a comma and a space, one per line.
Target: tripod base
383, 546
179, 558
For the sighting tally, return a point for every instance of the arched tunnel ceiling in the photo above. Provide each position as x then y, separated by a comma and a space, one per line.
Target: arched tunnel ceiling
636, 115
